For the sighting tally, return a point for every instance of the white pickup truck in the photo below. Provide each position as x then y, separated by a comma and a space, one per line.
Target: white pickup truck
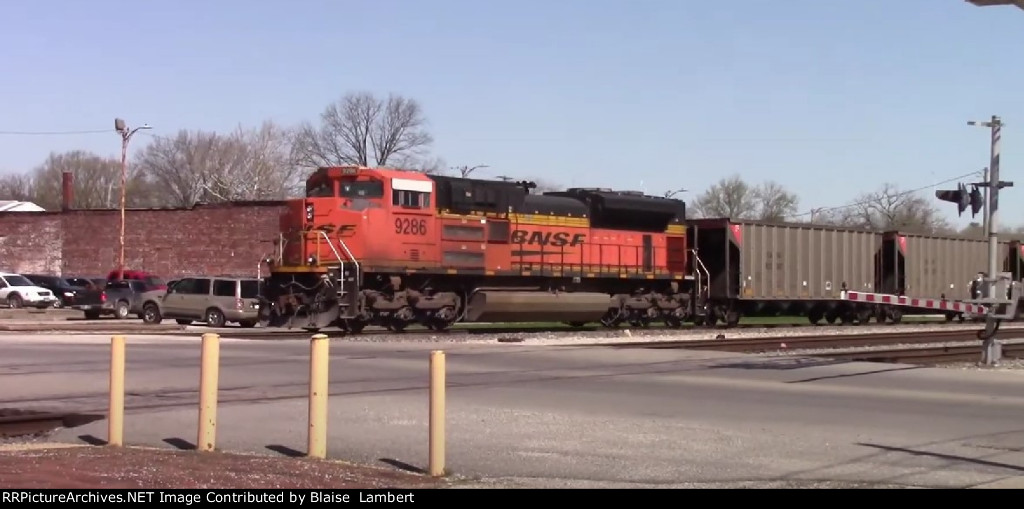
16, 291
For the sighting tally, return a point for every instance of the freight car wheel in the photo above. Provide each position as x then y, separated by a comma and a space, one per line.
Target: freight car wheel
814, 316
864, 316
831, 317
732, 318
896, 315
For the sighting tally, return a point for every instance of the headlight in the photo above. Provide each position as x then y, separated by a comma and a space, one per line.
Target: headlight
69, 294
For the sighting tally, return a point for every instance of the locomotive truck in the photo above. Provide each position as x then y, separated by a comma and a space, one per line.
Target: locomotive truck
387, 247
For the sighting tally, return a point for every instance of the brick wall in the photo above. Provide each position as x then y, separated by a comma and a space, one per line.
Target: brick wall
208, 239
30, 242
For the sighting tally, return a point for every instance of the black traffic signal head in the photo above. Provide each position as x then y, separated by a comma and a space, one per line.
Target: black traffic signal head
977, 201
959, 197
962, 198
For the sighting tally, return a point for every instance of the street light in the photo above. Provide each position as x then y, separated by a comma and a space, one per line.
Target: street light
126, 135
465, 171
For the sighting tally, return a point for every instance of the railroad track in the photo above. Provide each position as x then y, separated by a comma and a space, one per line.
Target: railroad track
119, 327
17, 422
776, 343
926, 355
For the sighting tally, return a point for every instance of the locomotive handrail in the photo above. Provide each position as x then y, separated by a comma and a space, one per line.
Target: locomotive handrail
331, 245
705, 269
348, 253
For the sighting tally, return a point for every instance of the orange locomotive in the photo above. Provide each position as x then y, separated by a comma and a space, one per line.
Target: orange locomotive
392, 248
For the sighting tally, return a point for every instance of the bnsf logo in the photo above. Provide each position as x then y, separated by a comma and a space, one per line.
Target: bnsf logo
557, 239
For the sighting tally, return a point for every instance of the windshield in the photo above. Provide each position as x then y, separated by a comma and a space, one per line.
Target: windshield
18, 281
362, 189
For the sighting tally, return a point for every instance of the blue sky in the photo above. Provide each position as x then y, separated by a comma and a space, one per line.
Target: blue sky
829, 98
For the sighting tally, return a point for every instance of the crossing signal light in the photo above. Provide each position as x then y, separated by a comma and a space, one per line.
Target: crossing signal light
977, 201
963, 199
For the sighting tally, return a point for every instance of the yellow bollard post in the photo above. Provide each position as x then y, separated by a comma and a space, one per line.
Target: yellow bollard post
115, 417
437, 410
209, 373
319, 365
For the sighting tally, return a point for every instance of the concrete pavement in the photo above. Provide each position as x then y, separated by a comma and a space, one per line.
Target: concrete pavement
561, 416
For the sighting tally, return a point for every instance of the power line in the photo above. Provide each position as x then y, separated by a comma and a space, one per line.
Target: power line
50, 133
904, 193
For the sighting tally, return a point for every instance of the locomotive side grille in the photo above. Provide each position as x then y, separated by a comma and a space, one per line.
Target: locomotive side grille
414, 255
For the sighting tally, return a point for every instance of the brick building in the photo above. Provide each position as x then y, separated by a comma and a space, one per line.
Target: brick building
228, 238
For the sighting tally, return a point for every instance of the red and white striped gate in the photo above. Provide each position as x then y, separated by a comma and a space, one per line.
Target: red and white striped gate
897, 300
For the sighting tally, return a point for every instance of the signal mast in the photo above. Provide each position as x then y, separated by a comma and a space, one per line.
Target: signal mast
1000, 294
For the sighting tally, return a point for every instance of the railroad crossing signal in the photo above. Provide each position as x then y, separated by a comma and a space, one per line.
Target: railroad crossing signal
963, 199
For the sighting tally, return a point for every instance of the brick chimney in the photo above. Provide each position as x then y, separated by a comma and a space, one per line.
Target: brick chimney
67, 191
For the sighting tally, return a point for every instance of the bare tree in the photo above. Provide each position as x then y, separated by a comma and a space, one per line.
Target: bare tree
890, 208
97, 181
361, 129
775, 203
181, 164
255, 164
422, 164
734, 198
202, 166
974, 229
17, 187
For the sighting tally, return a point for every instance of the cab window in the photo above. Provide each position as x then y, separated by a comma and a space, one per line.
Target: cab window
362, 189
322, 190
414, 199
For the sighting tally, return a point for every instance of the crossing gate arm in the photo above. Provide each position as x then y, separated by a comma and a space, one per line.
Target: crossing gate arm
898, 300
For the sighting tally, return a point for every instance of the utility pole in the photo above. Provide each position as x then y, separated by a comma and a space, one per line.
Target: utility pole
984, 224
126, 135
991, 349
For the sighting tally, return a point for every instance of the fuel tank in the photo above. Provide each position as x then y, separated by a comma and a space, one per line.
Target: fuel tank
520, 306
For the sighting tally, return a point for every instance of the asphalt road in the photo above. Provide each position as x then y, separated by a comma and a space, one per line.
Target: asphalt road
561, 416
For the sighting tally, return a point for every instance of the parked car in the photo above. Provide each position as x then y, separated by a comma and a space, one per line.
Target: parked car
215, 300
140, 275
18, 291
88, 282
61, 288
119, 298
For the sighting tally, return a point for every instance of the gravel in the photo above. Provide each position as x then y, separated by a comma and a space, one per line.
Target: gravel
627, 335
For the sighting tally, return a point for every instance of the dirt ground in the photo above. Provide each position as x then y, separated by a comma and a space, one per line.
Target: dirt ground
67, 467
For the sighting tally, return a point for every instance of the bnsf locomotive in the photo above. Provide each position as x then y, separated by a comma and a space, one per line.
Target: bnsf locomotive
370, 246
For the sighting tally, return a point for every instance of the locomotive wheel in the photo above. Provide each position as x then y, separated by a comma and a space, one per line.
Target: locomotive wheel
673, 321
612, 318
444, 319
354, 326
